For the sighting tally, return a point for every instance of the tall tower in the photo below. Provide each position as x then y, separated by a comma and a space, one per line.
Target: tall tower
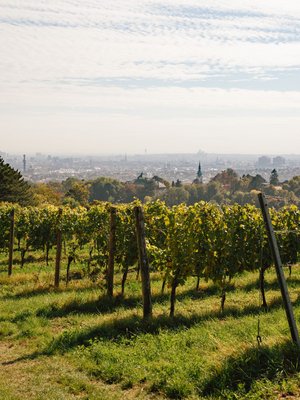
199, 173
24, 163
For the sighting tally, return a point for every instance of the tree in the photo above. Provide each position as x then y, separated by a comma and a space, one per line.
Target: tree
145, 186
228, 177
178, 183
43, 193
161, 180
212, 189
175, 195
13, 188
293, 185
105, 189
274, 178
257, 182
78, 191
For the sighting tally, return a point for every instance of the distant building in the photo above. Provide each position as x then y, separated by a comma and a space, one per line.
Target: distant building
199, 178
278, 161
24, 163
264, 162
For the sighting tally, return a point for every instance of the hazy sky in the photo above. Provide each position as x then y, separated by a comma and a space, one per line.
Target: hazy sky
116, 76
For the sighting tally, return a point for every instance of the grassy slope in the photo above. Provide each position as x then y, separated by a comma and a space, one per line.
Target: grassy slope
76, 344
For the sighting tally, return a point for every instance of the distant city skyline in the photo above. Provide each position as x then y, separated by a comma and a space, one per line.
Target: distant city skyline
143, 154
185, 167
171, 76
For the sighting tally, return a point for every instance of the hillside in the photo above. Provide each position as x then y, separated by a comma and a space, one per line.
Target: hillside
75, 343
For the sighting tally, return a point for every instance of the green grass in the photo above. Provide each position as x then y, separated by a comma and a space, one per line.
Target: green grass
75, 343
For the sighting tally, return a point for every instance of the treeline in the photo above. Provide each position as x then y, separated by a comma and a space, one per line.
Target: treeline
225, 188
204, 240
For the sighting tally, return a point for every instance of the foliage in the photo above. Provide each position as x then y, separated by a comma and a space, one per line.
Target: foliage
175, 195
13, 188
225, 188
203, 240
45, 194
274, 178
105, 189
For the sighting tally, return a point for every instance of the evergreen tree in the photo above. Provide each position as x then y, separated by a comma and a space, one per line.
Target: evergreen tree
13, 188
178, 183
274, 178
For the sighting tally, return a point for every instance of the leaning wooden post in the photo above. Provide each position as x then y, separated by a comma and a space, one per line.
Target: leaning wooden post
278, 264
143, 260
112, 250
58, 249
11, 242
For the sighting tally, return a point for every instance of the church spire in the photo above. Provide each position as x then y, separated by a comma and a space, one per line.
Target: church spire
199, 177
199, 173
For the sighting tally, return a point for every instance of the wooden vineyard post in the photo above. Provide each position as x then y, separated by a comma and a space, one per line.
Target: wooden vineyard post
58, 250
279, 271
143, 261
112, 250
11, 242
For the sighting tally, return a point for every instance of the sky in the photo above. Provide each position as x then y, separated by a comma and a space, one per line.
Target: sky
168, 76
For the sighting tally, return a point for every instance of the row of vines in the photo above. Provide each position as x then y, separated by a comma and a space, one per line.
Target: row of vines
204, 240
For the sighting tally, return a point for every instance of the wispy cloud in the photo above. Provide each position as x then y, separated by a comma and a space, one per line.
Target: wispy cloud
150, 58
179, 40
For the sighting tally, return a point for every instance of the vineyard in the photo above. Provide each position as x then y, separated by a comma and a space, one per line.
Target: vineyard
203, 241
72, 282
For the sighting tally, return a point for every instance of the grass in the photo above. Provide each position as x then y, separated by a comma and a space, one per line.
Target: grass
75, 343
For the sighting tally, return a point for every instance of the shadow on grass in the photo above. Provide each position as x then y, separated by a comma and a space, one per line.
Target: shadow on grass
111, 330
101, 305
105, 304
272, 363
134, 325
28, 261
48, 289
273, 285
